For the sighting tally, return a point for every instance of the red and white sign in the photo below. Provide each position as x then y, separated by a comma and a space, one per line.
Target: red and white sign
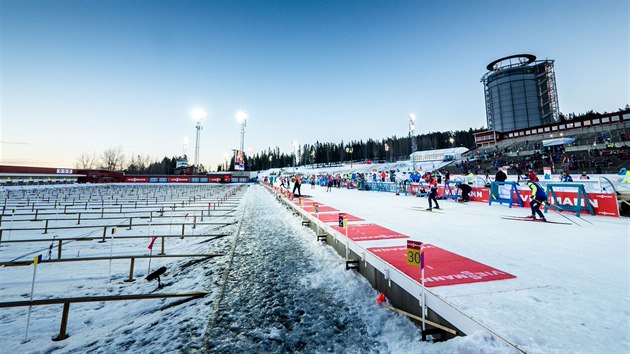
179, 179
136, 179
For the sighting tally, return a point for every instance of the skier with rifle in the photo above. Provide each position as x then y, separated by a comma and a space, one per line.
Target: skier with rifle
537, 198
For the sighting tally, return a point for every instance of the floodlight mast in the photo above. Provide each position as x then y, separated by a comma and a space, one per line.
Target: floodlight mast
412, 137
197, 114
241, 117
294, 146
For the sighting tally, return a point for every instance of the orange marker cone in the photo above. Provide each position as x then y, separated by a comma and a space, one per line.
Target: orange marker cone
381, 298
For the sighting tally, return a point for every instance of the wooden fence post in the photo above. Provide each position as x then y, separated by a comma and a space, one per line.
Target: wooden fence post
64, 322
133, 260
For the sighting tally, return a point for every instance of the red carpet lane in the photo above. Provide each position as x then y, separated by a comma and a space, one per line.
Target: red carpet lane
320, 208
441, 266
369, 232
334, 217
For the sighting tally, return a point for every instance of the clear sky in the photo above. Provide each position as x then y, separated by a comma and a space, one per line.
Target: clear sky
82, 76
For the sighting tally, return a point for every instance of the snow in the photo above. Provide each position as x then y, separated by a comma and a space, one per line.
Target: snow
571, 293
321, 307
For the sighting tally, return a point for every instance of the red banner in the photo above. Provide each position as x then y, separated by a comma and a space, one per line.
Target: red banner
441, 266
369, 232
603, 204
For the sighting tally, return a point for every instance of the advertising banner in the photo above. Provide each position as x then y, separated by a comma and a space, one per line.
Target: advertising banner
239, 160
136, 179
603, 204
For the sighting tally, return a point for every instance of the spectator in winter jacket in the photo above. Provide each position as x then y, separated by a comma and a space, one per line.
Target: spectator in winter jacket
566, 177
500, 176
532, 176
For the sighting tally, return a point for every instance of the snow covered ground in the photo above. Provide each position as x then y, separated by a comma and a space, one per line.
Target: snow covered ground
571, 294
280, 295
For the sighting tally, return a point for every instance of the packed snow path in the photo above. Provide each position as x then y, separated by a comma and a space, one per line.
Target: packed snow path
284, 295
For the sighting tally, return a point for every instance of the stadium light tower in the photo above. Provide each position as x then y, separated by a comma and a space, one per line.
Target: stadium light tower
294, 145
412, 136
197, 114
241, 118
349, 150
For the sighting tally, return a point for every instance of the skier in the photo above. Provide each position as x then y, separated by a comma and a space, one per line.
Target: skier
537, 198
282, 183
296, 185
465, 191
432, 192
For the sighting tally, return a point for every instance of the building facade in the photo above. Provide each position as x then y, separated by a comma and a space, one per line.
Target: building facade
520, 93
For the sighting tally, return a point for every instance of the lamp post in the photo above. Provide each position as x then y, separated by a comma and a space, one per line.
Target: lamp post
294, 145
241, 118
452, 141
197, 114
270, 159
312, 158
349, 150
386, 152
412, 136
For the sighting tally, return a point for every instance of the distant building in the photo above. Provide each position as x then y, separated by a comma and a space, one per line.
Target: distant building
182, 168
181, 162
520, 93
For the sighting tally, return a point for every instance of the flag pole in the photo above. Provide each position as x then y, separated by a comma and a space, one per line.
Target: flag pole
111, 250
11, 227
151, 253
424, 308
28, 319
345, 226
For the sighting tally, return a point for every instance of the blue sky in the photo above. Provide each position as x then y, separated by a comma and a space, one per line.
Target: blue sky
82, 76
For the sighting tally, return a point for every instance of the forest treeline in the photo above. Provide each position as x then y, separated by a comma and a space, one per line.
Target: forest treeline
390, 149
319, 153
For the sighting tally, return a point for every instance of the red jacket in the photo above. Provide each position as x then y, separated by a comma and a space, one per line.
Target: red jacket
532, 176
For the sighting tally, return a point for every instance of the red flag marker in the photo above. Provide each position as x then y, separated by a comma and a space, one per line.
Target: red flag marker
152, 242
381, 298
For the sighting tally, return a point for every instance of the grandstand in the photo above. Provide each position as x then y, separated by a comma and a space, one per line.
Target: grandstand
591, 144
